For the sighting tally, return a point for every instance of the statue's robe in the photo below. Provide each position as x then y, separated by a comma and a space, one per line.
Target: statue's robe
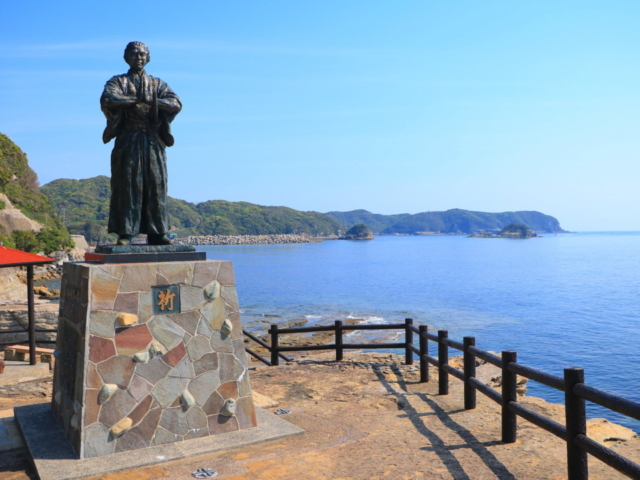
138, 160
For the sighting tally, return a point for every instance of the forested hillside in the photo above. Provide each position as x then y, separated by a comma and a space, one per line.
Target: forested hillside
86, 208
450, 221
20, 184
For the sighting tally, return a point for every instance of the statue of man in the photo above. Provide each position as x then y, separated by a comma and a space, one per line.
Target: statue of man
139, 110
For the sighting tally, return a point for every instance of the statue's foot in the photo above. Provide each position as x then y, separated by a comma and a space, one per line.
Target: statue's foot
124, 240
153, 239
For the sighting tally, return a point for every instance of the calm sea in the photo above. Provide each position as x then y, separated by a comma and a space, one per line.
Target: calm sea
560, 300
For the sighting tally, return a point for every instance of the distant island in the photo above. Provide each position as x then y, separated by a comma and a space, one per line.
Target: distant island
85, 204
513, 230
358, 232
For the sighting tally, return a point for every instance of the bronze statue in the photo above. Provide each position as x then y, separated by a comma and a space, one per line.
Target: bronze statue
139, 110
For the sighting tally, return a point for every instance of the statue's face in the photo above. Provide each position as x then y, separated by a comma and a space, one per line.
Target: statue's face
137, 58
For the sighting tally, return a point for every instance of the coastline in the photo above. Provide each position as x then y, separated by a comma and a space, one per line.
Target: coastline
210, 240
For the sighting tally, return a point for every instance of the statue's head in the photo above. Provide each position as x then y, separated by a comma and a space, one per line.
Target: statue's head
136, 55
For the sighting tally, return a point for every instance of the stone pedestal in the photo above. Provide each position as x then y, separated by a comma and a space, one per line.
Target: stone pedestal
149, 354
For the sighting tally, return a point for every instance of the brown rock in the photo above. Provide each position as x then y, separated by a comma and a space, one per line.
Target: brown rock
100, 349
131, 340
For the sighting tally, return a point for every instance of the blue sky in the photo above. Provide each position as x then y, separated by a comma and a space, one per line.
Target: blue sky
403, 106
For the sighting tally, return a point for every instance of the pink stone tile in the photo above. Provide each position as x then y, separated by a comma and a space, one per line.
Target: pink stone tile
131, 340
173, 357
127, 303
100, 349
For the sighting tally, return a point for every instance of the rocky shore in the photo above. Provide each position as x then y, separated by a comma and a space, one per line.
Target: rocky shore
244, 239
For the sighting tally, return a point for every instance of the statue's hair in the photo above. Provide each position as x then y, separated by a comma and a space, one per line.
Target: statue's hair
132, 45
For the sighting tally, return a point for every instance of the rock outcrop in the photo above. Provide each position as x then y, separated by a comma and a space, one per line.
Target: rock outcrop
12, 219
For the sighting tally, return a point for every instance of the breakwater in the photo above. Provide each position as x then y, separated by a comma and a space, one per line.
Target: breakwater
206, 240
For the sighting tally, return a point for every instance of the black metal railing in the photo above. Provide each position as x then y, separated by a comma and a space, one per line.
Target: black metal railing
574, 432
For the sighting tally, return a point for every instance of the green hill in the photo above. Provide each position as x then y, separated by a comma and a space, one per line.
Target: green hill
86, 206
20, 184
450, 221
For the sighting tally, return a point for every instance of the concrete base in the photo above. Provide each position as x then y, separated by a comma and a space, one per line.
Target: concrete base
54, 458
18, 372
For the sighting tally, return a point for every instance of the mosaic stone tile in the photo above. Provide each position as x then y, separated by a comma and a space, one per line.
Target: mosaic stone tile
93, 379
221, 342
184, 369
204, 272
204, 385
188, 320
230, 295
138, 277
162, 436
246, 413
113, 270
225, 274
162, 280
138, 413
215, 312
118, 370
186, 338
239, 352
222, 424
214, 404
150, 422
102, 323
198, 346
174, 356
177, 273
168, 389
174, 420
165, 331
244, 386
152, 371
204, 328
131, 340
139, 388
206, 363
127, 303
230, 368
228, 390
197, 433
196, 419
91, 407
100, 349
236, 334
191, 298
104, 289
145, 307
116, 408
97, 441
131, 440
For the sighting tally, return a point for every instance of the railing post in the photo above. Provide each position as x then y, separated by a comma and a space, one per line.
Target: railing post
408, 339
339, 349
576, 421
469, 371
31, 316
424, 351
443, 359
274, 344
509, 394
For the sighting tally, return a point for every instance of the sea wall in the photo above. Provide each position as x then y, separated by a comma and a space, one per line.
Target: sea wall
243, 239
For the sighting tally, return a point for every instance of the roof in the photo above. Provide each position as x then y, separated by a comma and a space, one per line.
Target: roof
10, 257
